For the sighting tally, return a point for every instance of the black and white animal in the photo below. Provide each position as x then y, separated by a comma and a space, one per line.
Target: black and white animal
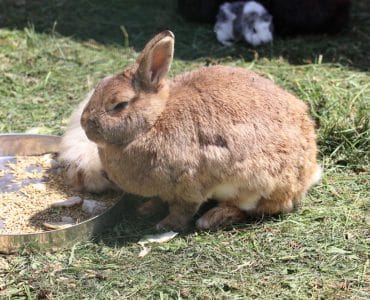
247, 20
290, 17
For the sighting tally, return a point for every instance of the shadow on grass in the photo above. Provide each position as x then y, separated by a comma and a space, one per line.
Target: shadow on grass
131, 228
103, 22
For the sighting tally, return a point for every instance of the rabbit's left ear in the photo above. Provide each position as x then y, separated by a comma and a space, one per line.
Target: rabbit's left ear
154, 61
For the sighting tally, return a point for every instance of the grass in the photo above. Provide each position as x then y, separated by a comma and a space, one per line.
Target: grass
320, 252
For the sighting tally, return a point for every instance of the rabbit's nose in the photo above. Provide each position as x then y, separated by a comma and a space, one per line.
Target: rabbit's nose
91, 124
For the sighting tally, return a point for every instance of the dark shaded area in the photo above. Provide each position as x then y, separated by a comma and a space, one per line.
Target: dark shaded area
131, 228
289, 16
309, 16
102, 21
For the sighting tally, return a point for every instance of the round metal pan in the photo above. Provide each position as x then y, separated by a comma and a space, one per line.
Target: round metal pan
31, 144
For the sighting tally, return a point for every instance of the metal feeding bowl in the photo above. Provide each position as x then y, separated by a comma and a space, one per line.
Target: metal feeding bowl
12, 145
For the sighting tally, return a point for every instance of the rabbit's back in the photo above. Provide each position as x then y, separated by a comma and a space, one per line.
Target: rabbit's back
220, 98
232, 115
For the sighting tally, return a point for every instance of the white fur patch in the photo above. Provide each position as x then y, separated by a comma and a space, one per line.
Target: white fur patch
224, 29
261, 32
249, 200
252, 6
262, 35
225, 191
316, 177
227, 10
248, 20
79, 154
244, 199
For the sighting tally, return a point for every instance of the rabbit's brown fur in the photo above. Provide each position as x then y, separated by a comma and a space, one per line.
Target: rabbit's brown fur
217, 132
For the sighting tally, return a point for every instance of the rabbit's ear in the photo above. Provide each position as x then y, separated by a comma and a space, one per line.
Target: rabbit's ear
154, 61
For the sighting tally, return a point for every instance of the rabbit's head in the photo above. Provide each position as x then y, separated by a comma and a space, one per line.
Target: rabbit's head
127, 104
256, 24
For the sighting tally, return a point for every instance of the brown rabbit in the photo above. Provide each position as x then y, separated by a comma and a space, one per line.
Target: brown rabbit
217, 132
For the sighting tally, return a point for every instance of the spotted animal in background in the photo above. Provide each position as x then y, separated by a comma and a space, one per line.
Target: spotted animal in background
243, 20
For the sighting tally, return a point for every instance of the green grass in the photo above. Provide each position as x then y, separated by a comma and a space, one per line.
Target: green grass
320, 252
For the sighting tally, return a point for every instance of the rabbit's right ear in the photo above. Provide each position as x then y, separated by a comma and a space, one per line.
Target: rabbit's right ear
154, 61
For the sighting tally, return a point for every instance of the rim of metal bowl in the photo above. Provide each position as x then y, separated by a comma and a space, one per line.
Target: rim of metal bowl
37, 144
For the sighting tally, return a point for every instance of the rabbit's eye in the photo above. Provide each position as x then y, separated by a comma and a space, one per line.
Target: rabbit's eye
120, 106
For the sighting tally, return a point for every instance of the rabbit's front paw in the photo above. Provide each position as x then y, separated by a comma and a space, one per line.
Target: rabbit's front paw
74, 177
90, 180
181, 213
